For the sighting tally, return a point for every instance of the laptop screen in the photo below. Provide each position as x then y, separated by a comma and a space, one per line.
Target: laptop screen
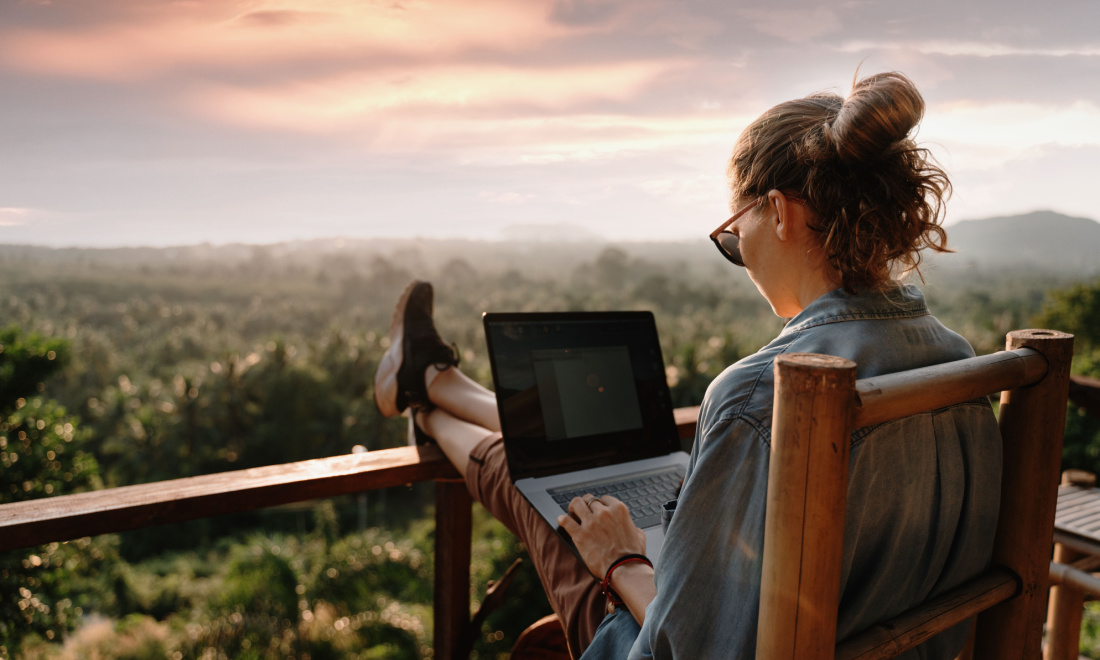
579, 389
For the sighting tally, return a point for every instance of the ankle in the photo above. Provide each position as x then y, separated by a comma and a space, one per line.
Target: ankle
418, 434
430, 375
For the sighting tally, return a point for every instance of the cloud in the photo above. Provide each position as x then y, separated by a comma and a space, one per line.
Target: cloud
385, 75
582, 12
203, 36
235, 119
269, 18
573, 139
795, 25
504, 197
988, 133
13, 217
1050, 177
444, 92
973, 48
689, 190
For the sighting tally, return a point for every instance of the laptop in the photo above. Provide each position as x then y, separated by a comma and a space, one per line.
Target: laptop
585, 408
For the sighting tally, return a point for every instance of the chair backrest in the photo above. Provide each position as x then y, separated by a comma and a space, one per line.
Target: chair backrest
818, 404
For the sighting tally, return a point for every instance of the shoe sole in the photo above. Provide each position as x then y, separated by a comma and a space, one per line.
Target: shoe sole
385, 378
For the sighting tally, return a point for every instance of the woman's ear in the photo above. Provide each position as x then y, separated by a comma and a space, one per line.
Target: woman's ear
782, 222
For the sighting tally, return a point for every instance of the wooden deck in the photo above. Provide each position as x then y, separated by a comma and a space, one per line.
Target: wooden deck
1077, 518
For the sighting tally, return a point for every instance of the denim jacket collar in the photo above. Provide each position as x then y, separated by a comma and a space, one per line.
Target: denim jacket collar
905, 301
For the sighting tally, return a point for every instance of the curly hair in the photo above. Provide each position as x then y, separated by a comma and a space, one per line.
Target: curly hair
878, 198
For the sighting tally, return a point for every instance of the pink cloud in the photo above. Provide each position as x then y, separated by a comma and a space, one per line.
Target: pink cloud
426, 92
13, 217
224, 36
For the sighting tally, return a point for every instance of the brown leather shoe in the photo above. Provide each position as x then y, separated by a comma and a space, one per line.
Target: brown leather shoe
414, 344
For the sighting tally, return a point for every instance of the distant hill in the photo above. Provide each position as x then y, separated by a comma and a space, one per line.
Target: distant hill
1043, 239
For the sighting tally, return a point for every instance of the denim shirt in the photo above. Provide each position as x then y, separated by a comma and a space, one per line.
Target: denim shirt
922, 503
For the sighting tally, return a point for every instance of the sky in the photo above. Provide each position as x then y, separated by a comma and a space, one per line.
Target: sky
169, 122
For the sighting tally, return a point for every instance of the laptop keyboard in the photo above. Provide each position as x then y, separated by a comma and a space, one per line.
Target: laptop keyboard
644, 493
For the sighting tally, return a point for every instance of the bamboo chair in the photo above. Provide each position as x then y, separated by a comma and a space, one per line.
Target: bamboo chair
818, 403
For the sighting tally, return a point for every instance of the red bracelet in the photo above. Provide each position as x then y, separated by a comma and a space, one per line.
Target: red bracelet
605, 585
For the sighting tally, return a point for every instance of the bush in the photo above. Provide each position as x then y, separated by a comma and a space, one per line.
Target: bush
44, 590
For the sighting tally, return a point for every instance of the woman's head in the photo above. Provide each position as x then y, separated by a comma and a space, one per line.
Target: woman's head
876, 197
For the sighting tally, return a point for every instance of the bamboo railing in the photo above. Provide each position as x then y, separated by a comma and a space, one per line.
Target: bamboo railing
34, 522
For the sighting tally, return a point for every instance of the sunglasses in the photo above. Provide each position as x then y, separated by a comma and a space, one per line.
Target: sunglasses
727, 241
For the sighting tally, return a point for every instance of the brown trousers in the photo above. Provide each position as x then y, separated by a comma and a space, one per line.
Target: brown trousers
573, 593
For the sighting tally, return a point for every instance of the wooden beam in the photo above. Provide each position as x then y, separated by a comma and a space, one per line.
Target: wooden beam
34, 522
1082, 544
893, 637
892, 396
1066, 604
1070, 575
65, 517
1084, 392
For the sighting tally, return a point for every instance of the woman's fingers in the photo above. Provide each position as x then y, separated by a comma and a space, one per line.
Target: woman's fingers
589, 507
615, 504
568, 523
602, 530
580, 508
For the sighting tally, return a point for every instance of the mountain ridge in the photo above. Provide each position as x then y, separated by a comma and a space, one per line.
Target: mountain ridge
1042, 239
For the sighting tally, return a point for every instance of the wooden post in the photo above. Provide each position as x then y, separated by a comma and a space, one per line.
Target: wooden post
1064, 613
1066, 602
807, 491
451, 609
1032, 421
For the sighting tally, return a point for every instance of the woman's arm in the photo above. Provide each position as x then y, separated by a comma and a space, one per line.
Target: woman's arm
603, 531
634, 584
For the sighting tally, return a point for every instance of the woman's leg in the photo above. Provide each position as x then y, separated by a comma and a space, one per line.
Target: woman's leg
456, 437
455, 392
573, 593
465, 413
478, 454
418, 369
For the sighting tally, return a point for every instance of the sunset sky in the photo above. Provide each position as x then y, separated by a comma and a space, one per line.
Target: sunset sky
158, 122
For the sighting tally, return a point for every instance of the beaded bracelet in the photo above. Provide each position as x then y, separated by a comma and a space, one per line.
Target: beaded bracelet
605, 585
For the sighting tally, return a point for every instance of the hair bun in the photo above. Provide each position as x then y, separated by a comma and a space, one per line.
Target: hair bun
879, 112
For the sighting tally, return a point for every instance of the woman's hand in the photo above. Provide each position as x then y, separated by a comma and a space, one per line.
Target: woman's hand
602, 530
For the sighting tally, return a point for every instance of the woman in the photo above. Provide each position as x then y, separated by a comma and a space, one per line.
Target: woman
834, 204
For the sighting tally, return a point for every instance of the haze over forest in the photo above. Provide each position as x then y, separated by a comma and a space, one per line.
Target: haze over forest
1044, 241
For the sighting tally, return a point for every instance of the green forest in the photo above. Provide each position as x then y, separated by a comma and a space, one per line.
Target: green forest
122, 367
